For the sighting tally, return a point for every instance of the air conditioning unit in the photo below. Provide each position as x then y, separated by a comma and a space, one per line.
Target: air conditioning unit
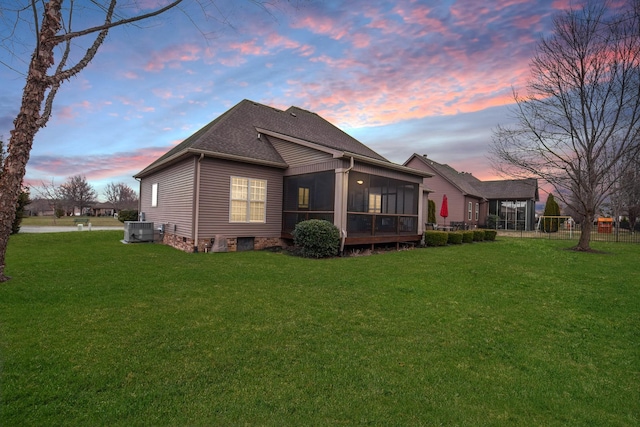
138, 231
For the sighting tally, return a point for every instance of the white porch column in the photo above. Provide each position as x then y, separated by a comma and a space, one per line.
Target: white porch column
340, 200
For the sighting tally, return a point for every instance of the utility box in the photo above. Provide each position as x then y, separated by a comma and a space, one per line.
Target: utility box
138, 231
605, 225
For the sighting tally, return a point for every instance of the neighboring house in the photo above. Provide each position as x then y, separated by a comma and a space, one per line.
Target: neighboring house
102, 209
39, 207
471, 200
252, 174
107, 208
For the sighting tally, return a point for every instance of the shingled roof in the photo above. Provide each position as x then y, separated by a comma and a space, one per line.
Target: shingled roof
472, 186
510, 189
465, 182
234, 134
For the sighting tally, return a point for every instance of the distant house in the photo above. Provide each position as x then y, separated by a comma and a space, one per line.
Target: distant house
253, 173
102, 209
108, 209
39, 207
471, 201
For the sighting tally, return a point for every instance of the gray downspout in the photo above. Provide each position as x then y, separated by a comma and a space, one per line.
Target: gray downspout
196, 225
139, 196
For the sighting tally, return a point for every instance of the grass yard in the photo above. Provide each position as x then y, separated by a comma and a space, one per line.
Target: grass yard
517, 332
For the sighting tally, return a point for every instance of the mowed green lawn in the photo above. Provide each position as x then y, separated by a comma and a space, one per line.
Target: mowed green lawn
509, 333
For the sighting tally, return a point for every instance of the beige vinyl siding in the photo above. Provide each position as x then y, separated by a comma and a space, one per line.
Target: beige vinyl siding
388, 173
215, 176
297, 155
332, 164
175, 197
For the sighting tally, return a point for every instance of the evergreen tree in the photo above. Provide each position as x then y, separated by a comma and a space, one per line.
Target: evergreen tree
551, 208
431, 214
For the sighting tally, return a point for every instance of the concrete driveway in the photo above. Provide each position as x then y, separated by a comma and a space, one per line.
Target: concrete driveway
60, 229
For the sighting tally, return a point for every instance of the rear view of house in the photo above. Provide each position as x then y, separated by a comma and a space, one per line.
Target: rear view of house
253, 173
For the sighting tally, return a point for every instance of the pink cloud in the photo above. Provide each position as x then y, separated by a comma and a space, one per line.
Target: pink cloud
322, 25
247, 48
95, 167
166, 94
173, 56
130, 75
419, 15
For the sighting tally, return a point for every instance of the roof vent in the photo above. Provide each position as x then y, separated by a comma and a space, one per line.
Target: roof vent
293, 114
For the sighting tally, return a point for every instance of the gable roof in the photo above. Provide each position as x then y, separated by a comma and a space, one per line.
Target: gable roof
235, 135
472, 186
465, 182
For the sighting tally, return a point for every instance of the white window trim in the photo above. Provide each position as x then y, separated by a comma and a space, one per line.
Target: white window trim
247, 201
154, 195
477, 211
470, 212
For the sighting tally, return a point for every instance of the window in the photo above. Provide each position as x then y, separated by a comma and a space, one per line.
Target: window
375, 203
154, 195
470, 211
303, 198
477, 211
248, 200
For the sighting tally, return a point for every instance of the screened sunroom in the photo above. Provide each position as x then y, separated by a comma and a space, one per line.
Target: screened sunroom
377, 209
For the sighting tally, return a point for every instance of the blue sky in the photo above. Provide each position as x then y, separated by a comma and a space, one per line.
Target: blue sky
403, 77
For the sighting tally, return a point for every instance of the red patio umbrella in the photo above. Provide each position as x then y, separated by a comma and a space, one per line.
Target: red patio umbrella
444, 209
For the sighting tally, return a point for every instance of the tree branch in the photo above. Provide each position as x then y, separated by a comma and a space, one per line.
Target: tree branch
108, 24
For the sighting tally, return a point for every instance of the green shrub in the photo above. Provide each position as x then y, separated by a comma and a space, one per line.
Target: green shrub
455, 238
492, 221
467, 236
317, 238
478, 235
490, 235
436, 238
431, 212
128, 215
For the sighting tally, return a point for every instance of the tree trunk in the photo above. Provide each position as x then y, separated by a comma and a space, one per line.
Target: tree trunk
26, 125
585, 234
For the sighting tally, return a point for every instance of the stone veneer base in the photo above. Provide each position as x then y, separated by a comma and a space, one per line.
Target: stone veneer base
204, 245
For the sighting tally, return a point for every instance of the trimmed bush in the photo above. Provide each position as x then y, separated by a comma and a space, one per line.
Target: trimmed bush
467, 237
128, 215
455, 238
490, 235
478, 235
436, 238
317, 238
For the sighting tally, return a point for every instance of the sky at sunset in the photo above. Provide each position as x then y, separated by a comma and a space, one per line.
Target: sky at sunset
403, 77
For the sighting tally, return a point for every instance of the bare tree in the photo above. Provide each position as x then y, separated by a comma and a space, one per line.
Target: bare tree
51, 32
78, 193
51, 193
120, 195
581, 117
23, 196
51, 65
